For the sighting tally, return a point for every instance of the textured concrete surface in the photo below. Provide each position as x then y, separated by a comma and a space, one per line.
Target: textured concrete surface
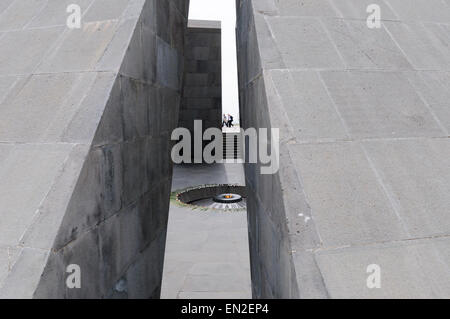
202, 87
364, 123
207, 253
86, 116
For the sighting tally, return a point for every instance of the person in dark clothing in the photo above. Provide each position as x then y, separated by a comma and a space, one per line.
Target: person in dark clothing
230, 120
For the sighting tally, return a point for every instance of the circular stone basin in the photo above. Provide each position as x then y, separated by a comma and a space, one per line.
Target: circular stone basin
228, 198
220, 197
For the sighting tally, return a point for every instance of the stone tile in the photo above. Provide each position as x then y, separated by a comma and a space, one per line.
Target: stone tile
434, 87
102, 10
19, 14
54, 13
348, 204
362, 47
80, 49
135, 9
417, 173
144, 276
380, 104
25, 275
357, 9
415, 269
149, 45
174, 276
25, 185
206, 251
421, 10
249, 40
187, 240
4, 5
214, 295
47, 115
120, 242
134, 99
321, 8
25, 49
47, 220
8, 257
310, 110
421, 45
213, 283
98, 193
304, 43
167, 65
94, 122
135, 182
114, 54
6, 84
222, 269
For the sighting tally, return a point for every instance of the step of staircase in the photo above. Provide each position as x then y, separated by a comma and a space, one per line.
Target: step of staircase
232, 148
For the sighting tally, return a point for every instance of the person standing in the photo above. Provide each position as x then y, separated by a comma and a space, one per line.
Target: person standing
224, 121
230, 120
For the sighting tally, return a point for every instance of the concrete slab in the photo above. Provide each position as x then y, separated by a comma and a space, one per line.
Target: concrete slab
380, 104
22, 61
364, 48
6, 84
434, 89
348, 205
77, 154
206, 251
404, 268
47, 115
8, 256
435, 11
80, 49
4, 5
306, 8
21, 279
311, 112
420, 45
54, 13
25, 185
357, 9
363, 119
304, 43
417, 174
101, 10
19, 14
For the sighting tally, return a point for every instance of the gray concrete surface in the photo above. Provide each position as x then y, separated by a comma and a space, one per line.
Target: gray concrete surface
364, 122
85, 173
86, 116
202, 87
207, 252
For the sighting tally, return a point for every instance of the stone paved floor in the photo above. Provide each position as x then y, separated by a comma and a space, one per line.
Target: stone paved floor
207, 252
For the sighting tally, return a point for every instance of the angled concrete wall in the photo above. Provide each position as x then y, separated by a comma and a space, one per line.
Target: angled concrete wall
86, 116
202, 87
364, 124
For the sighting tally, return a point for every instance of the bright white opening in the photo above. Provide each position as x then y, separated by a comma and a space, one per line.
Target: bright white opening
225, 11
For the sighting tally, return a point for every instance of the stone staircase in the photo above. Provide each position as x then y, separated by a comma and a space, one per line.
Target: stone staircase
232, 146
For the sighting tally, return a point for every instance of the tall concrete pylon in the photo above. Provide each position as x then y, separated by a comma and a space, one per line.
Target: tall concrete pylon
85, 121
360, 205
